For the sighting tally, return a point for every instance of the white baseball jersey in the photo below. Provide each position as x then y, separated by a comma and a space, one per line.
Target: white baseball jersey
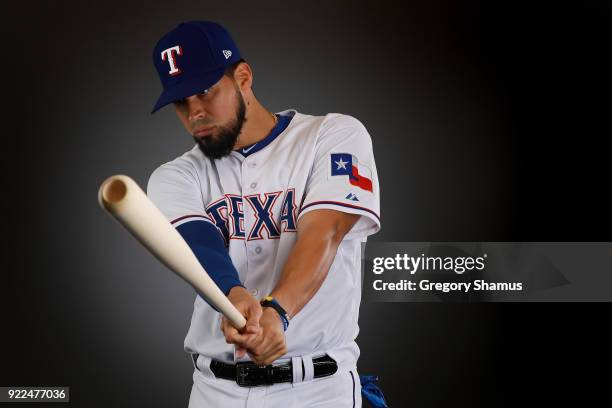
256, 201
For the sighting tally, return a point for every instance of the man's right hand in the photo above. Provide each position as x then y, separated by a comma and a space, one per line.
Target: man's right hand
250, 308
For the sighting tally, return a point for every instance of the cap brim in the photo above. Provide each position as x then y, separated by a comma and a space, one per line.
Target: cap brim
187, 88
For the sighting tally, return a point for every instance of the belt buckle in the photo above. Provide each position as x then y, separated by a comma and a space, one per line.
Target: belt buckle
251, 375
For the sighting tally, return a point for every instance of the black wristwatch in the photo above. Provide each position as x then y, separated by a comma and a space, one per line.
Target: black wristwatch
269, 301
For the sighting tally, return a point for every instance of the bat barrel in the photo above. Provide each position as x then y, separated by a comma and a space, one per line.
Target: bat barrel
127, 203
113, 190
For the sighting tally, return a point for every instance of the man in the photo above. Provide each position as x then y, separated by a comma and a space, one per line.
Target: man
275, 207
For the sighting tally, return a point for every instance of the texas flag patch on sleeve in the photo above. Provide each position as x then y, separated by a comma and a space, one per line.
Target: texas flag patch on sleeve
345, 164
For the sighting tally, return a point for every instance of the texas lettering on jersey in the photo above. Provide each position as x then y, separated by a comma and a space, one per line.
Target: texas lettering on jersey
227, 213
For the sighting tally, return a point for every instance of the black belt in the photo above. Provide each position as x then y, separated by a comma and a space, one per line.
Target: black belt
248, 374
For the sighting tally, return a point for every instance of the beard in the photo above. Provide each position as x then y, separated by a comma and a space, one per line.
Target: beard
221, 145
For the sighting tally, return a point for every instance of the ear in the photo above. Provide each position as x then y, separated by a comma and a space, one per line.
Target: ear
244, 76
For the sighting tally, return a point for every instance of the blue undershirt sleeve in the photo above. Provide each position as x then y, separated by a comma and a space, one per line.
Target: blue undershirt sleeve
209, 248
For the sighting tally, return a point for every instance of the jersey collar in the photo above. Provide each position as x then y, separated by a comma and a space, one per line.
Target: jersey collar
284, 118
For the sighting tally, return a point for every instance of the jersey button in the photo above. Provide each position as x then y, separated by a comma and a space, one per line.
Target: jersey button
258, 250
254, 292
253, 185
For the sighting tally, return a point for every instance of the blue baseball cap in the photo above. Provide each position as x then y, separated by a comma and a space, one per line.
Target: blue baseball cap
191, 58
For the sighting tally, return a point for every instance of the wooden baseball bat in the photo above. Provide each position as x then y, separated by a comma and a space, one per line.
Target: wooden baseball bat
125, 200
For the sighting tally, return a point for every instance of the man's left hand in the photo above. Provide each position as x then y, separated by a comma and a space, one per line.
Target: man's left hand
271, 344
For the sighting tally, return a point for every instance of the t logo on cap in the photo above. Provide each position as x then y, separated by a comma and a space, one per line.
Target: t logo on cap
167, 53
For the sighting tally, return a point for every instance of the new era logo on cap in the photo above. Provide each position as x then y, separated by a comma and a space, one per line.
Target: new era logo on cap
227, 54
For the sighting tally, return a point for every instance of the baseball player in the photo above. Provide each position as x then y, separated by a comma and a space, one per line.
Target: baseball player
275, 206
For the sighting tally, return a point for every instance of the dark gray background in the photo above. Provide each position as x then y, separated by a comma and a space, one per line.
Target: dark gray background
489, 123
